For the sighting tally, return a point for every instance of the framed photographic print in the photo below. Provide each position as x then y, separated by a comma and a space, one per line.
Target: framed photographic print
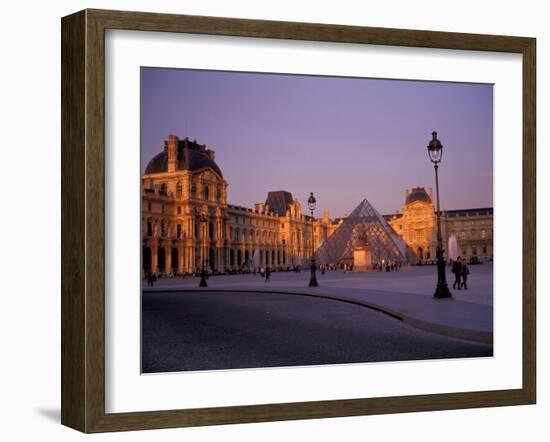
269, 220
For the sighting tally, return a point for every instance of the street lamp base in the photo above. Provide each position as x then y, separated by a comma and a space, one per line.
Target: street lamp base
313, 275
442, 291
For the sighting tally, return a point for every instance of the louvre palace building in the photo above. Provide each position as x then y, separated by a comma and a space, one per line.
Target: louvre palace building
187, 220
472, 229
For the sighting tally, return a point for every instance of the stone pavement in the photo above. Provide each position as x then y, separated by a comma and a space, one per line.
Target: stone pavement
405, 294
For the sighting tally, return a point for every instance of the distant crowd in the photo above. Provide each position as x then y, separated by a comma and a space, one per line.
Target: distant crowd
459, 268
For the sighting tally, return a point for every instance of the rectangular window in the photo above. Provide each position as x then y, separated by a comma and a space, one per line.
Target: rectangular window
149, 228
178, 232
179, 210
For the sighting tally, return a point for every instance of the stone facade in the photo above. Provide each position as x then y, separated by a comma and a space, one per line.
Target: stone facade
417, 225
187, 221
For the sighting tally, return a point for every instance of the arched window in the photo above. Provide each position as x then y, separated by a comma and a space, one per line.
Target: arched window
163, 189
218, 193
206, 193
211, 230
193, 190
179, 189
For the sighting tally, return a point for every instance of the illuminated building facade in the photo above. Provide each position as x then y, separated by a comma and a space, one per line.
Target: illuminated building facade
472, 228
187, 220
183, 185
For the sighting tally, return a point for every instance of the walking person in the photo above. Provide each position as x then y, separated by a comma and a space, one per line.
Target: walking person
267, 274
465, 272
457, 270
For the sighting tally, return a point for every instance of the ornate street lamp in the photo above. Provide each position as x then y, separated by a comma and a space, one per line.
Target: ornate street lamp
203, 220
435, 153
312, 202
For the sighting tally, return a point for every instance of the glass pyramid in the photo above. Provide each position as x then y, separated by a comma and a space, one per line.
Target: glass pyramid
364, 227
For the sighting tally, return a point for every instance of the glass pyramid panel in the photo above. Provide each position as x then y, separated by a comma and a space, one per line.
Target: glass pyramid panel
364, 227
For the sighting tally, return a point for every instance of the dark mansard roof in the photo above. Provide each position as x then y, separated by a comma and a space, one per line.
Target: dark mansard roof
279, 201
199, 159
418, 194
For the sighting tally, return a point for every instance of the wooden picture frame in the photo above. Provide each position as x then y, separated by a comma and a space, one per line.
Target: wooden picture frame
83, 220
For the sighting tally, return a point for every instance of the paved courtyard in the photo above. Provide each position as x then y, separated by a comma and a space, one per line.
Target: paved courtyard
228, 330
417, 280
241, 321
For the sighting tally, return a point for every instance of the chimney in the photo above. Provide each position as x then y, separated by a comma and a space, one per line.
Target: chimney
172, 152
211, 154
186, 153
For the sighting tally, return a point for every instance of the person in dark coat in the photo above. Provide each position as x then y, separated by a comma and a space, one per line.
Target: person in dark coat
457, 271
464, 272
267, 274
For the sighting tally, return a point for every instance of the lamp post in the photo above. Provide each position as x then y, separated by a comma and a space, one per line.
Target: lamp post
203, 220
312, 202
435, 153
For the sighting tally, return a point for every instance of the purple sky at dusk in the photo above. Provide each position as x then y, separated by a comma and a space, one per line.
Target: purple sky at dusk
342, 138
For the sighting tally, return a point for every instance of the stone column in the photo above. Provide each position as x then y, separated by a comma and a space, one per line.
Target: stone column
181, 257
168, 258
154, 257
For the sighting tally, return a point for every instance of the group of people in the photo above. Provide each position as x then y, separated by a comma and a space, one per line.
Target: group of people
389, 266
151, 278
461, 271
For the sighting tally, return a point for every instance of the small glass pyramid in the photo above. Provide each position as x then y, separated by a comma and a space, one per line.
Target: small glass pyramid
364, 227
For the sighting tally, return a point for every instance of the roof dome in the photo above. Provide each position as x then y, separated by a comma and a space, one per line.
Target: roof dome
418, 194
190, 156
